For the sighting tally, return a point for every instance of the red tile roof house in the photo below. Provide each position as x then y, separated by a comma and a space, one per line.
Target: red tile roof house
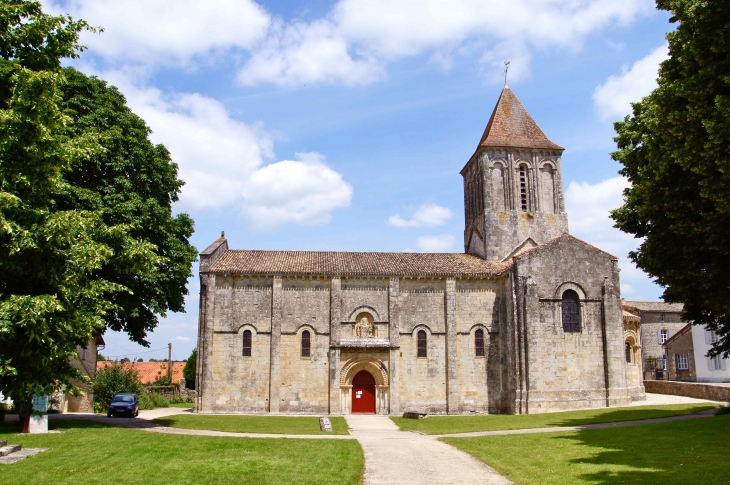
149, 372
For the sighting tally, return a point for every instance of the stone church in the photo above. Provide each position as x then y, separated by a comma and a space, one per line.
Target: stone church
527, 320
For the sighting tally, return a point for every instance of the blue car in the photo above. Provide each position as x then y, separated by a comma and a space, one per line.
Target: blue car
124, 404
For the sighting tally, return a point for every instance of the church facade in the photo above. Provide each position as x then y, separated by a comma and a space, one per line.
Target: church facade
527, 320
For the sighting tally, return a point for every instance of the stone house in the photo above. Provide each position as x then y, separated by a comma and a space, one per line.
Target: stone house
528, 319
86, 363
659, 321
687, 358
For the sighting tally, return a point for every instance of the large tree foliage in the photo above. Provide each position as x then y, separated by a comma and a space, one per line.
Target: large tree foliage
49, 301
133, 183
675, 150
87, 238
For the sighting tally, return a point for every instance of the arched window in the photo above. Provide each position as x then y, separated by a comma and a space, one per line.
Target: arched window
524, 191
479, 342
306, 343
628, 353
247, 343
571, 311
422, 344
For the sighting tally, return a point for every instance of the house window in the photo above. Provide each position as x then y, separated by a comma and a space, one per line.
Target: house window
663, 336
83, 353
422, 344
479, 343
571, 311
681, 361
628, 352
306, 343
663, 319
716, 363
247, 343
662, 363
523, 189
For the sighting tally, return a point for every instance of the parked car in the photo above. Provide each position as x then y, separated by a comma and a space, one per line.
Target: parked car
124, 404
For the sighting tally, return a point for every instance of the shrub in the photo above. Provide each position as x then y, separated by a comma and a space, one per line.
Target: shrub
722, 410
114, 380
177, 400
152, 400
189, 370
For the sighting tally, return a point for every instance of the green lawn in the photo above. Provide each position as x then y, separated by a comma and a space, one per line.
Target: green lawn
91, 453
495, 422
682, 452
253, 424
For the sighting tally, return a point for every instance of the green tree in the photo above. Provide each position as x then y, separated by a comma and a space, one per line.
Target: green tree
189, 370
100, 358
675, 151
132, 183
115, 379
49, 300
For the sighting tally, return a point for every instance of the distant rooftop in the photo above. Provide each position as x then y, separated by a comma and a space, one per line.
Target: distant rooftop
653, 306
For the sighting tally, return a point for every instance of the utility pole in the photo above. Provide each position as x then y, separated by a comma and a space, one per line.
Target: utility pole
169, 362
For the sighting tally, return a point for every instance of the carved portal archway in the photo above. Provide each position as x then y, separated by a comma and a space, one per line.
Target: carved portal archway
377, 369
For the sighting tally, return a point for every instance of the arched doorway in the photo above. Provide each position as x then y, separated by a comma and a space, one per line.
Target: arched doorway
363, 393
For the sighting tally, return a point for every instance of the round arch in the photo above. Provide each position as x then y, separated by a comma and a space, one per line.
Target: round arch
364, 362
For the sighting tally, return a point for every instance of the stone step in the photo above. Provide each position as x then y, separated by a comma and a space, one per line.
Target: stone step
3, 443
6, 450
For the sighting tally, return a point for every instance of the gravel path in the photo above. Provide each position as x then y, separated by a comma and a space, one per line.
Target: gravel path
396, 457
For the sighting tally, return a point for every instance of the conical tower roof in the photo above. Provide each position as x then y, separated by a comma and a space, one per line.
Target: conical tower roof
512, 126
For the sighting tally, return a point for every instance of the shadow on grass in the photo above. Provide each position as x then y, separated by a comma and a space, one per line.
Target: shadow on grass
687, 452
630, 414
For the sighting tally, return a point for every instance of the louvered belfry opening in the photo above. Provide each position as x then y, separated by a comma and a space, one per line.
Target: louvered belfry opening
571, 311
523, 189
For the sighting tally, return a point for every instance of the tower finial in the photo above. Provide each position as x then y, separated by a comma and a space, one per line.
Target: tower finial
506, 68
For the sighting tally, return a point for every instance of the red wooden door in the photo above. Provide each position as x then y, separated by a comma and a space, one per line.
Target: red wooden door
363, 393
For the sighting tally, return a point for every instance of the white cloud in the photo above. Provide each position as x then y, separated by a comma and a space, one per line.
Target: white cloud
304, 192
221, 160
428, 215
441, 243
168, 31
613, 98
183, 339
588, 208
354, 43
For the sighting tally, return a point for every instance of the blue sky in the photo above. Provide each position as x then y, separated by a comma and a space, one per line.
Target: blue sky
343, 125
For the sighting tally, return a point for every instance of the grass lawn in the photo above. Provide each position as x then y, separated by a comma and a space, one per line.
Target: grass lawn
495, 422
688, 452
253, 424
182, 405
91, 453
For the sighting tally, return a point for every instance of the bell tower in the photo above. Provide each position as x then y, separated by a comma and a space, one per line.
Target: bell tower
513, 185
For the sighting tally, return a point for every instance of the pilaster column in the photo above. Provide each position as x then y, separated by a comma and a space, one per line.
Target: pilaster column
274, 358
204, 372
452, 377
394, 337
335, 404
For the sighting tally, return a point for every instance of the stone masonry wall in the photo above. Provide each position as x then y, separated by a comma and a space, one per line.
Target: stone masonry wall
569, 370
689, 389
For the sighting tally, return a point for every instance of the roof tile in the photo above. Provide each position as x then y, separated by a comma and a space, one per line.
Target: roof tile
512, 126
330, 263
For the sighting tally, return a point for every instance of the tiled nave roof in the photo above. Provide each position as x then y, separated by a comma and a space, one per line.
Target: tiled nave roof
330, 263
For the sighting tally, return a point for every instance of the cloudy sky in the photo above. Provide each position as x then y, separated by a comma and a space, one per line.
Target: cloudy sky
342, 125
